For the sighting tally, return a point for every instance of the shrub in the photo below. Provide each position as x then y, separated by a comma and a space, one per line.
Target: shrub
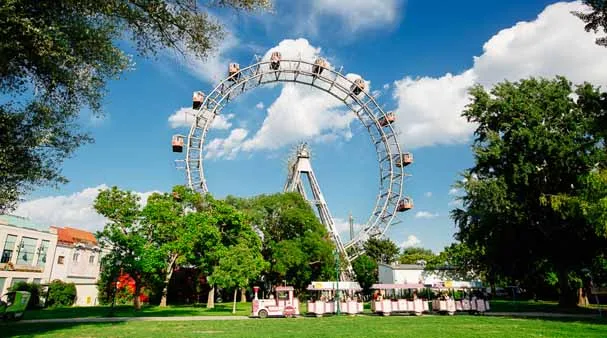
33, 288
61, 294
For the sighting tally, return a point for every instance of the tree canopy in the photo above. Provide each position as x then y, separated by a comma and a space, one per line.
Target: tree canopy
381, 250
56, 58
534, 139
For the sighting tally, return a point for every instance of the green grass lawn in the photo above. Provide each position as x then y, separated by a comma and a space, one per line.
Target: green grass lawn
360, 326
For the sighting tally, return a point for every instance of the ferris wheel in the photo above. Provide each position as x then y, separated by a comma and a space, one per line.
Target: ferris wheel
351, 91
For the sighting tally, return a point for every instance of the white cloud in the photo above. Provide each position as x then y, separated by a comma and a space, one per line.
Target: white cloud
357, 15
184, 117
75, 210
455, 203
411, 241
425, 214
428, 194
454, 191
227, 147
555, 43
260, 105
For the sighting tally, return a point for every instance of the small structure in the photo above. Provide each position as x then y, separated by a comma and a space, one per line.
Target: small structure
325, 299
283, 305
388, 119
358, 86
13, 304
197, 99
319, 65
275, 60
405, 204
234, 72
177, 143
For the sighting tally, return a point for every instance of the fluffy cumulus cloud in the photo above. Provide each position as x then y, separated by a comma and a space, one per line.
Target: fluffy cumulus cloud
356, 15
317, 116
75, 210
425, 214
259, 105
411, 241
343, 228
184, 117
555, 43
226, 147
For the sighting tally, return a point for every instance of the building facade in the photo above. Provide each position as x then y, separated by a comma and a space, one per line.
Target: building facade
78, 260
27, 252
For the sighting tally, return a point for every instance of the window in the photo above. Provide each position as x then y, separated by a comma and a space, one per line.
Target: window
92, 259
60, 260
26, 250
42, 253
75, 256
9, 245
2, 280
16, 281
37, 281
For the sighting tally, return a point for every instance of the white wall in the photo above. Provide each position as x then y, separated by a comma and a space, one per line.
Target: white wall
36, 273
82, 272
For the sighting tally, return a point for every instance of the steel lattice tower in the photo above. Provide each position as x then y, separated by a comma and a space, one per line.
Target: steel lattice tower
299, 166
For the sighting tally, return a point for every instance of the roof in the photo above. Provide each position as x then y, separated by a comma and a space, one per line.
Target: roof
73, 236
397, 286
403, 266
22, 222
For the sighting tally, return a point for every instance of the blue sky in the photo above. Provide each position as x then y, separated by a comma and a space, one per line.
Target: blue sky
421, 55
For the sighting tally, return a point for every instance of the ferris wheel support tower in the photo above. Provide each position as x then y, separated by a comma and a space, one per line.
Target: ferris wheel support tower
300, 166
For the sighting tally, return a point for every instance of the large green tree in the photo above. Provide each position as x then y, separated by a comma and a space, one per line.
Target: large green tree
56, 58
382, 250
534, 138
415, 255
132, 247
366, 272
595, 19
295, 244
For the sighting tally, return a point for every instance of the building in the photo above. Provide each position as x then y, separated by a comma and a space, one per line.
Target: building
400, 273
77, 260
27, 252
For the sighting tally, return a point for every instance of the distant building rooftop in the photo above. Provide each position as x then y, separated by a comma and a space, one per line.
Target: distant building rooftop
22, 222
69, 235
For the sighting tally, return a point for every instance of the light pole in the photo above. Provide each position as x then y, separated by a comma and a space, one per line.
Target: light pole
337, 293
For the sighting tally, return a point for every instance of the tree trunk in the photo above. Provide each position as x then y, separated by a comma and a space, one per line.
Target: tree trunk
243, 295
582, 299
211, 298
234, 304
136, 302
167, 279
566, 293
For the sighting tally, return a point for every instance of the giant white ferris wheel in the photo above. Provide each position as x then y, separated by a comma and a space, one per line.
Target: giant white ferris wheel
351, 91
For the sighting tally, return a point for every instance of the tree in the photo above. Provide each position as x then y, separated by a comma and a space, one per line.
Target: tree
366, 272
596, 19
133, 249
294, 243
57, 57
165, 216
533, 139
381, 250
240, 264
415, 255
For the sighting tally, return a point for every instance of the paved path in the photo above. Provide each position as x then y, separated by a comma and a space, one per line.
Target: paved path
542, 314
130, 319
200, 318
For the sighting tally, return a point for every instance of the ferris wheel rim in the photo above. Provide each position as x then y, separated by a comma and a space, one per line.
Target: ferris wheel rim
388, 197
